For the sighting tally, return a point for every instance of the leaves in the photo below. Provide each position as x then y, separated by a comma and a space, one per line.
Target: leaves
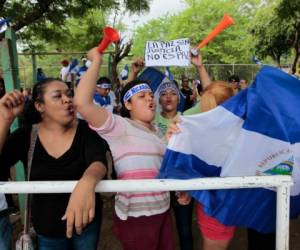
45, 19
197, 21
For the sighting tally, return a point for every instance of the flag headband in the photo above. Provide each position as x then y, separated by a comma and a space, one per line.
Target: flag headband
168, 85
104, 85
136, 89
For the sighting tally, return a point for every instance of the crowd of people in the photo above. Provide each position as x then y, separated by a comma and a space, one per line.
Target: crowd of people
74, 135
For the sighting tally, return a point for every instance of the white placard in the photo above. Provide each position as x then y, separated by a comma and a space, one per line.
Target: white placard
170, 53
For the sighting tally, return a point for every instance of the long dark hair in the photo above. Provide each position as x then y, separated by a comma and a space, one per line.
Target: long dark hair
31, 114
103, 79
3, 86
124, 111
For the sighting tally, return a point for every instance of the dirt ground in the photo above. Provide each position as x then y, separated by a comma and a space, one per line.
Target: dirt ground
109, 242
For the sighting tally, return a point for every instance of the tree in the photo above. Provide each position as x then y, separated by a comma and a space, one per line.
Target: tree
197, 20
272, 37
233, 45
121, 51
157, 29
45, 18
64, 25
289, 11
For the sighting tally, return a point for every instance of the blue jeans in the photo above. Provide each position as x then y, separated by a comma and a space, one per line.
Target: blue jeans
87, 240
5, 233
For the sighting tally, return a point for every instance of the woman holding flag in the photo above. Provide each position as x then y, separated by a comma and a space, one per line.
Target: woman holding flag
168, 99
216, 236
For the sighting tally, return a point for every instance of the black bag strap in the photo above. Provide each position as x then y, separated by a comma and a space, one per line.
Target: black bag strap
27, 211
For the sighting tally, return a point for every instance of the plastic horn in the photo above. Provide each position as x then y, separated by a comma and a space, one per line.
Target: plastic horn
225, 23
110, 35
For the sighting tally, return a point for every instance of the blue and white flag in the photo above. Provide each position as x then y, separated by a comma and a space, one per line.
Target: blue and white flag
256, 61
73, 65
124, 73
4, 22
255, 133
169, 74
155, 78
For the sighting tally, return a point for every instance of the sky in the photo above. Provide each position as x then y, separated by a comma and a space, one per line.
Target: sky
158, 8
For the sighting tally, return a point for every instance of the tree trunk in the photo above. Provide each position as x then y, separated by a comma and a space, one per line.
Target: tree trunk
297, 50
114, 73
294, 67
121, 51
276, 58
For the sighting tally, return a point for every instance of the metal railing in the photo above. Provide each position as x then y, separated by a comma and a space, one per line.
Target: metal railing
281, 183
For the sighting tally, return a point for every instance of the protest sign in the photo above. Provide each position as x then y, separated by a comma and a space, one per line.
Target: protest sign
170, 53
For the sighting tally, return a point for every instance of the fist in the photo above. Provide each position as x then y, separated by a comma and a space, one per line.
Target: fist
11, 105
196, 59
93, 55
137, 65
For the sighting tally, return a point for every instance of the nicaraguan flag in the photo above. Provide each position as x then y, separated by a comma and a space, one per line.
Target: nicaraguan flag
155, 78
73, 65
4, 24
169, 74
255, 133
124, 73
256, 61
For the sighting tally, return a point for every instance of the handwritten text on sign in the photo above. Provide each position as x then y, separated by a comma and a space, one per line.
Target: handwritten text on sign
171, 53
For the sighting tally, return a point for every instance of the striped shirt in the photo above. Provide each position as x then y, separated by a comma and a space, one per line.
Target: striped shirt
137, 153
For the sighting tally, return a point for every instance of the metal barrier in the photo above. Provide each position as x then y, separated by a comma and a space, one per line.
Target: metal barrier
281, 183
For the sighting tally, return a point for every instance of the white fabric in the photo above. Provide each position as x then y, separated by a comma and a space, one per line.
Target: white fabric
3, 203
65, 75
217, 138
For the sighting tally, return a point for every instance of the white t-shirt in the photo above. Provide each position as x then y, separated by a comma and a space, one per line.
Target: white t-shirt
65, 75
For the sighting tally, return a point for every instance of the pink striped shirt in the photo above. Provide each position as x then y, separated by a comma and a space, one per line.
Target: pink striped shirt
137, 153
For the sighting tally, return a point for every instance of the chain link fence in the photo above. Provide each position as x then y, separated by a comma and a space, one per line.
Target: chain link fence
216, 71
26, 77
220, 71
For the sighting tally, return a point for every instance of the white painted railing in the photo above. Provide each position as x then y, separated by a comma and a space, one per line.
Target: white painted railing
281, 183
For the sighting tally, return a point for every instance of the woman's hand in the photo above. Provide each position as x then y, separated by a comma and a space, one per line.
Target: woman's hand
137, 65
94, 55
11, 105
173, 128
183, 198
197, 59
81, 207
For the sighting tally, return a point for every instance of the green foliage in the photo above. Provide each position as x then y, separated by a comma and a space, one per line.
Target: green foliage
61, 25
157, 29
289, 11
272, 36
46, 19
233, 45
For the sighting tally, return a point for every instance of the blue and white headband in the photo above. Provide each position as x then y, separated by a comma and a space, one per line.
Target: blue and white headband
136, 89
104, 85
168, 85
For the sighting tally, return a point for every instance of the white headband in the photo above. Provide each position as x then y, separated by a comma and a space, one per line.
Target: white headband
168, 85
104, 85
136, 89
